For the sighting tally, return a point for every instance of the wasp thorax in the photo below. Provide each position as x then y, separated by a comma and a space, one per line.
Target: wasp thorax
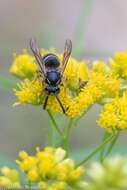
52, 77
51, 61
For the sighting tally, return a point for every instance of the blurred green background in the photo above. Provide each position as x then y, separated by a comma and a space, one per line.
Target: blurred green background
97, 28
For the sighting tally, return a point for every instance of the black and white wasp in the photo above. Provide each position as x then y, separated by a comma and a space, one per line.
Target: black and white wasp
51, 69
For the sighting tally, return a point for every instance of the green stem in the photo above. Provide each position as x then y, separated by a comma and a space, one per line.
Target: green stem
67, 134
94, 152
30, 185
54, 123
113, 142
50, 136
103, 149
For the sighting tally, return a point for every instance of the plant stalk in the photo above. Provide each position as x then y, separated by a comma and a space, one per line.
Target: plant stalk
113, 142
67, 134
95, 151
54, 123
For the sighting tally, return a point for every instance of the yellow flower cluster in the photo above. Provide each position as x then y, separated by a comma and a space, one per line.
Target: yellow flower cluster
75, 97
50, 169
114, 114
109, 175
9, 178
24, 65
119, 64
108, 84
30, 92
100, 85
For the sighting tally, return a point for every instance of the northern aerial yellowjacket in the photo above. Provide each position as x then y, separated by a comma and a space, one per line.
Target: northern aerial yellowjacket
51, 69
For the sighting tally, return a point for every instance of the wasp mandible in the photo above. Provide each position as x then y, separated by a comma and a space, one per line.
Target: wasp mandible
51, 69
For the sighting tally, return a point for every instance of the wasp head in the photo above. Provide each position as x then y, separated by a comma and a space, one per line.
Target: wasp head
51, 61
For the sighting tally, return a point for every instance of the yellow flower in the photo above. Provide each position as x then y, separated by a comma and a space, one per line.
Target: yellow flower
30, 92
33, 175
42, 185
58, 186
75, 72
109, 84
11, 174
4, 181
114, 114
23, 155
59, 155
86, 98
99, 86
119, 64
27, 163
24, 65
46, 165
100, 67
51, 169
9, 178
75, 98
76, 173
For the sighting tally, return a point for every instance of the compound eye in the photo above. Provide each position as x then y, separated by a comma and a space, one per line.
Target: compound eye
51, 61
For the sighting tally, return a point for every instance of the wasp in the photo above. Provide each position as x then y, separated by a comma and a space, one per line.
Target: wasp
51, 69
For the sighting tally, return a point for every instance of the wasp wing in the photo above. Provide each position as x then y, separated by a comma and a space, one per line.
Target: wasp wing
37, 54
66, 55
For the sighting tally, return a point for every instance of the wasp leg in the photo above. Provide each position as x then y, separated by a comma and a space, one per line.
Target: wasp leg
61, 105
45, 103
